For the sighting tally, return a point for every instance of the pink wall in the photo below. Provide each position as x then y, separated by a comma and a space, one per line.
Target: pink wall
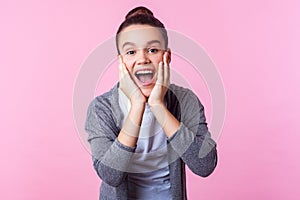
255, 45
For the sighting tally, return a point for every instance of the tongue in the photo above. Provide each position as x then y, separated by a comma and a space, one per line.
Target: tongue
145, 78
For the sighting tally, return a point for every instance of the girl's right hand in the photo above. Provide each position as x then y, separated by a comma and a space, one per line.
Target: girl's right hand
128, 86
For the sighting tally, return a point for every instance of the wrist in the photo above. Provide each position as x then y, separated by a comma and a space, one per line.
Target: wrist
156, 104
166, 120
138, 105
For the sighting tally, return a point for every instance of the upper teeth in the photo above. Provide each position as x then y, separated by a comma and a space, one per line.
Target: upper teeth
144, 72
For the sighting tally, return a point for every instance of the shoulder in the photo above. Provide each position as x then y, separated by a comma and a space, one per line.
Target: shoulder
101, 118
182, 102
178, 89
182, 94
104, 101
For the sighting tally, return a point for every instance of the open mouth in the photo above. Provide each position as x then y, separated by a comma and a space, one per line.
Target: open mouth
145, 76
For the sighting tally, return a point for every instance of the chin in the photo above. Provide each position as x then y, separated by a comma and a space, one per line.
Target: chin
146, 92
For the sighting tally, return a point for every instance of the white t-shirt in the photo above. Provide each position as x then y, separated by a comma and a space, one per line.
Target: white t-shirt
149, 171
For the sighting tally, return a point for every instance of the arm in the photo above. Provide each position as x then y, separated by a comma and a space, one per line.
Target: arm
192, 141
110, 157
129, 133
189, 137
130, 130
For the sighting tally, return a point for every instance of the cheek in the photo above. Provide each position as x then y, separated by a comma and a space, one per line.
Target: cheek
129, 64
156, 59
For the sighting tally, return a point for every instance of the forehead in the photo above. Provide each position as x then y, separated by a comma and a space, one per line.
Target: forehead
140, 35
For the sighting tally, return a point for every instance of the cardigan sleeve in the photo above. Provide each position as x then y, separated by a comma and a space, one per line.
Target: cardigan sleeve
110, 157
192, 142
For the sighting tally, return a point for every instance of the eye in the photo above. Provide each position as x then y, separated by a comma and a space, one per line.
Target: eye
152, 50
131, 52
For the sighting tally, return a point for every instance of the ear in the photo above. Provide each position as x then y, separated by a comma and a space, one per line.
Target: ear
169, 57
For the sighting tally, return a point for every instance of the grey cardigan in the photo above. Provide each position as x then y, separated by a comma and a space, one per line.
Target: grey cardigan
191, 145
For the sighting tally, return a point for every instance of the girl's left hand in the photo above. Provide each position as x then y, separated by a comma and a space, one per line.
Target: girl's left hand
162, 83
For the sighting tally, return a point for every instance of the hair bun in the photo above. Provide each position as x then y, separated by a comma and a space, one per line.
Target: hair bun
141, 10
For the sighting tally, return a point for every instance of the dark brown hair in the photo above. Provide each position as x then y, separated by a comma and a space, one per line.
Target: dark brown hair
142, 15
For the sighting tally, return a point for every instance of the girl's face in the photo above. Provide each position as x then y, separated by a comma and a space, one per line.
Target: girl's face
142, 48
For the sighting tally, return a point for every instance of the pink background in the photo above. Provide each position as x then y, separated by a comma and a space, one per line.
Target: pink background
255, 45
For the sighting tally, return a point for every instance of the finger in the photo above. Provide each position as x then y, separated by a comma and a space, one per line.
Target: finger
160, 75
166, 58
123, 72
127, 76
166, 69
123, 66
120, 59
121, 75
166, 75
169, 56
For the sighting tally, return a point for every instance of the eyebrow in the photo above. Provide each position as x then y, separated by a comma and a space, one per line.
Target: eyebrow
133, 44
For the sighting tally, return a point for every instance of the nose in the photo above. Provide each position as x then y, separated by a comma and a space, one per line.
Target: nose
142, 57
